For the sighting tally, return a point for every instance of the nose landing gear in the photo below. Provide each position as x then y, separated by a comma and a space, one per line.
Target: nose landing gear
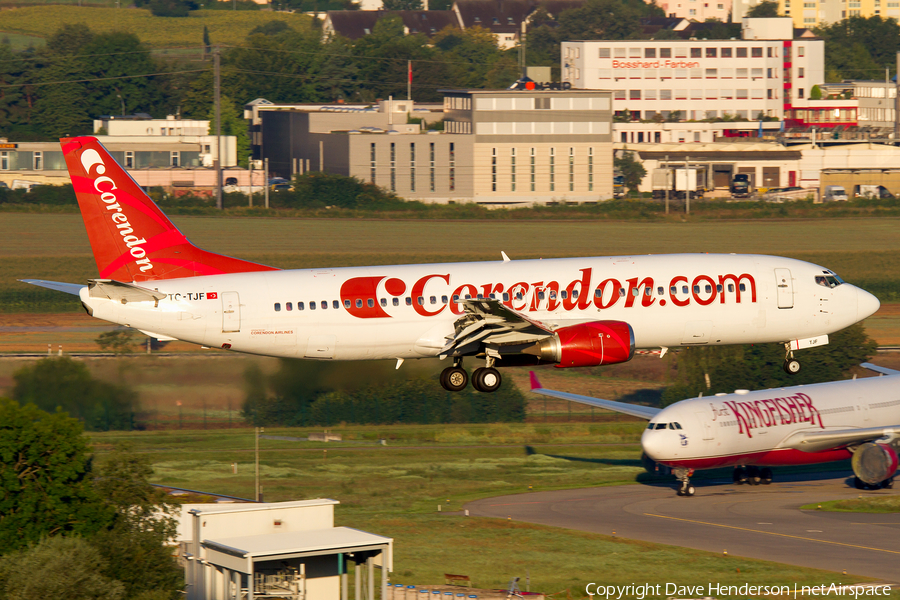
791, 365
684, 481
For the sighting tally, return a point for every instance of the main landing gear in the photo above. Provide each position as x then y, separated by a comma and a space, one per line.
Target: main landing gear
862, 485
484, 379
752, 475
684, 481
791, 365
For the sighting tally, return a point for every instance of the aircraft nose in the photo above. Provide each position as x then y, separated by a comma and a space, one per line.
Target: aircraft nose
653, 443
866, 304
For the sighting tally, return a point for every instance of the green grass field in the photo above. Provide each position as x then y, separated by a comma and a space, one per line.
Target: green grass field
395, 490
225, 27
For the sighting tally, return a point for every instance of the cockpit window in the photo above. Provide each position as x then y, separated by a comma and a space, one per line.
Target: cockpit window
828, 279
674, 425
651, 425
661, 425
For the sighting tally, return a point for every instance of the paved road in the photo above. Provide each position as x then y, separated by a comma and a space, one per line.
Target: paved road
757, 522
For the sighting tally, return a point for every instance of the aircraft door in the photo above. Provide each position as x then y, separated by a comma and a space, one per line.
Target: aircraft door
709, 433
784, 288
231, 312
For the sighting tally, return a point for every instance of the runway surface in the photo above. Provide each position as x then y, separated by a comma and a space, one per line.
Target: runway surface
761, 522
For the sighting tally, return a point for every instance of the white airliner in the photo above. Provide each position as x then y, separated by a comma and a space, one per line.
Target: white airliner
568, 312
754, 431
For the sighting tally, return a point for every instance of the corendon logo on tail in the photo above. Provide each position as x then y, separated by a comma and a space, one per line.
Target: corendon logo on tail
432, 294
105, 186
774, 411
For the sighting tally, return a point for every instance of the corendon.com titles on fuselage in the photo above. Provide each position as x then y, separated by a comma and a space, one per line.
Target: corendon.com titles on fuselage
568, 312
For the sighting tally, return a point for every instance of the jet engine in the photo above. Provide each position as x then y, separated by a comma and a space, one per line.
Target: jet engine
874, 463
587, 345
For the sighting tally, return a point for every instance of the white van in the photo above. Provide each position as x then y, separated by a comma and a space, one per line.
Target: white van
834, 193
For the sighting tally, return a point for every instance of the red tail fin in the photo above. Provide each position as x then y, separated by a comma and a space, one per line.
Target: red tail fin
131, 238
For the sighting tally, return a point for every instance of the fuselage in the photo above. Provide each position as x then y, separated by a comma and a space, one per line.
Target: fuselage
410, 311
751, 428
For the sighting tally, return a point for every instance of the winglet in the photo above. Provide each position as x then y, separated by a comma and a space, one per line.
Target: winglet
535, 384
505, 257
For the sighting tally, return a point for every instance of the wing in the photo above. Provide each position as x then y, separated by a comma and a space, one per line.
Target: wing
819, 441
635, 410
69, 288
877, 369
490, 323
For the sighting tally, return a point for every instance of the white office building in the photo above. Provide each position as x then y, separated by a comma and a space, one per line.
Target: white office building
700, 79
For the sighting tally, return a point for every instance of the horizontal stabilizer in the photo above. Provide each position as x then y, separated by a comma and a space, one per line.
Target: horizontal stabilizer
68, 288
158, 337
635, 410
877, 369
122, 292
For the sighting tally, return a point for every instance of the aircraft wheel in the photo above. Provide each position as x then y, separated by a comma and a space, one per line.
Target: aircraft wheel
766, 476
791, 366
739, 476
689, 491
486, 379
753, 477
679, 491
859, 483
454, 379
888, 484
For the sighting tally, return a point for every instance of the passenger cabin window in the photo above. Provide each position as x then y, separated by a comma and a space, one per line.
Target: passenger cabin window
278, 307
288, 306
371, 302
505, 296
421, 301
324, 304
384, 301
433, 299
409, 301
312, 305
300, 306
346, 304
396, 302
359, 303
335, 304
443, 299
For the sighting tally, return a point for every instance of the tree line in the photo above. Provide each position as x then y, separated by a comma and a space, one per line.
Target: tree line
80, 75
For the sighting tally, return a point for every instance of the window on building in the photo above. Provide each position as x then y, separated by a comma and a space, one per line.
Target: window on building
552, 169
38, 161
711, 52
590, 169
619, 52
393, 167
740, 52
800, 92
756, 73
175, 158
4, 161
542, 103
412, 167
372, 162
742, 94
571, 169
452, 166
726, 52
801, 73
756, 52
431, 166
618, 94
665, 94
649, 52
711, 73
741, 73
634, 94
603, 53
769, 51
129, 159
532, 169
665, 53
634, 52
493, 169
801, 51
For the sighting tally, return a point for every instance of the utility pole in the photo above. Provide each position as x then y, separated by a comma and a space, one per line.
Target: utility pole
687, 192
409, 80
258, 495
522, 62
217, 101
266, 177
897, 105
668, 182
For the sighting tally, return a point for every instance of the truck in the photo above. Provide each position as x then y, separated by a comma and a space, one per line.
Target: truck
834, 193
680, 182
740, 185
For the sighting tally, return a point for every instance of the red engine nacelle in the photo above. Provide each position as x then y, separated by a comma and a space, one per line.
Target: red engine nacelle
587, 345
874, 463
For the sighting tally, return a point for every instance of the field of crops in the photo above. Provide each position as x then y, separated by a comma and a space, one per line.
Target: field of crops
157, 32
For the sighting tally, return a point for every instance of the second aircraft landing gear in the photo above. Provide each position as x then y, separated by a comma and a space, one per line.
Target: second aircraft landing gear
684, 481
752, 475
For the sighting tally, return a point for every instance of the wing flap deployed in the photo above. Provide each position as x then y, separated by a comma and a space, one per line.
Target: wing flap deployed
635, 410
59, 286
819, 441
490, 322
122, 292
